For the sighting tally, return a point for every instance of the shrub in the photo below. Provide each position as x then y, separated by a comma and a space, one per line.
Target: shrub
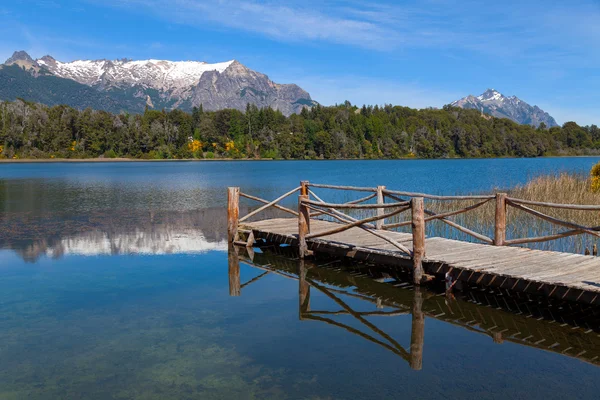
110, 154
595, 181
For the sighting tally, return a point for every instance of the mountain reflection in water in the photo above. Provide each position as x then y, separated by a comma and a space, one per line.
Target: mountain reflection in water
105, 233
564, 328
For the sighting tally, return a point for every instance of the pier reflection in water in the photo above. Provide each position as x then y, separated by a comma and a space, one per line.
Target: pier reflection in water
569, 329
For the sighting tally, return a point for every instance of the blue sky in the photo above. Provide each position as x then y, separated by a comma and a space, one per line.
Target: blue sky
412, 53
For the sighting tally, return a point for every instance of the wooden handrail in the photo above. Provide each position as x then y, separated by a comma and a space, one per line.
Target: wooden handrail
453, 224
351, 188
438, 216
554, 220
357, 201
357, 206
277, 200
277, 206
352, 224
374, 232
582, 207
338, 213
436, 197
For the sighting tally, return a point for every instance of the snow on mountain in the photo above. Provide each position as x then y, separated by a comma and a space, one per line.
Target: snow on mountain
155, 74
173, 84
495, 103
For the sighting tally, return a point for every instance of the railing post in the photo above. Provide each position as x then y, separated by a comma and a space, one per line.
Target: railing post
380, 211
304, 188
500, 221
303, 225
418, 236
233, 212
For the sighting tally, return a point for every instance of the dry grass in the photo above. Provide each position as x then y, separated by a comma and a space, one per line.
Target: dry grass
563, 189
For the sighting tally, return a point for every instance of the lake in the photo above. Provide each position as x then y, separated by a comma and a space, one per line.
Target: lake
115, 283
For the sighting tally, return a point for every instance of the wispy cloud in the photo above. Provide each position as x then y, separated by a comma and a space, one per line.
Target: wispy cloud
295, 22
510, 30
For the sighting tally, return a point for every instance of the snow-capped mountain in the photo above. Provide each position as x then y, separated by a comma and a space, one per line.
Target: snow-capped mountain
171, 84
495, 103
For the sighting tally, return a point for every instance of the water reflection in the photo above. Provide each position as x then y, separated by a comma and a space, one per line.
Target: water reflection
113, 233
564, 328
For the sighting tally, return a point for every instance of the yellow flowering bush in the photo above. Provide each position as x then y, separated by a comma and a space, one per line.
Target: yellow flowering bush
1, 150
195, 146
73, 144
229, 145
595, 182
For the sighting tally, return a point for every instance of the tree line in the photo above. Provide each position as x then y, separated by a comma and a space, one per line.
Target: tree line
31, 130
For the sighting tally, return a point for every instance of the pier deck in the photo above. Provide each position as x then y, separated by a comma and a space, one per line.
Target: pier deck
561, 275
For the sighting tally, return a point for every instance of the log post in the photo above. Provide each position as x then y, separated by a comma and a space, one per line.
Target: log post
304, 188
418, 235
233, 213
500, 221
234, 271
303, 290
303, 225
595, 250
380, 211
417, 331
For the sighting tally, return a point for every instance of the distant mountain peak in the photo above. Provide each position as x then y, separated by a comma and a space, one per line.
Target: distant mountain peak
494, 103
172, 84
19, 56
491, 94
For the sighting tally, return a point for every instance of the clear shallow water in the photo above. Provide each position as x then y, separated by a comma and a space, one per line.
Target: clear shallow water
114, 284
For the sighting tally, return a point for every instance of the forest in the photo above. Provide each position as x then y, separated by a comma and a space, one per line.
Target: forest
34, 131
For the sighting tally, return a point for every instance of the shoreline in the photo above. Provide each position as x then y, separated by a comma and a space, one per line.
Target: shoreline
136, 160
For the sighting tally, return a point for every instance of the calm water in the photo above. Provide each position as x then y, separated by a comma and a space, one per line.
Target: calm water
115, 283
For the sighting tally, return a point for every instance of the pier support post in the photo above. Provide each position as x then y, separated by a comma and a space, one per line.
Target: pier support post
417, 332
418, 236
303, 290
500, 222
303, 225
380, 211
234, 271
233, 212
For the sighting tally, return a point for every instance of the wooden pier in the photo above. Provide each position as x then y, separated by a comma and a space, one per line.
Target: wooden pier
320, 227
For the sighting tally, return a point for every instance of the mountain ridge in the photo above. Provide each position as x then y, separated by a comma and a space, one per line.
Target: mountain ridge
167, 84
498, 105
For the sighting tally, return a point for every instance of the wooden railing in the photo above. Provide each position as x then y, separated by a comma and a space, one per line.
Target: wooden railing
311, 206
